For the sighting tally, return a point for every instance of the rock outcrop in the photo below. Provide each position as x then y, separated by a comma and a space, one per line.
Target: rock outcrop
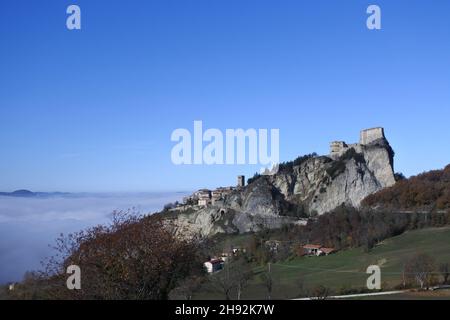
312, 186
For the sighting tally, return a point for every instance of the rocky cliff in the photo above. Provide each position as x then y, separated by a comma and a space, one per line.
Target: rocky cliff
308, 186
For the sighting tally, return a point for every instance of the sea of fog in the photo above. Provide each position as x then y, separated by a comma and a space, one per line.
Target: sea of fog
29, 225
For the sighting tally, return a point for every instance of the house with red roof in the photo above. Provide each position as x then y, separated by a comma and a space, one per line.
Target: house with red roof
214, 265
318, 250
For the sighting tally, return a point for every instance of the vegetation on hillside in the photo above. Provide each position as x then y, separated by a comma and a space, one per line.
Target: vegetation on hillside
285, 167
339, 165
347, 227
427, 191
289, 165
138, 258
134, 258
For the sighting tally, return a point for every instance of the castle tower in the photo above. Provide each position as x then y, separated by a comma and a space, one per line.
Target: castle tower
370, 135
241, 181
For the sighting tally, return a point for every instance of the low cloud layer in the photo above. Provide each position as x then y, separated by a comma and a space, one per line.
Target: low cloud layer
29, 225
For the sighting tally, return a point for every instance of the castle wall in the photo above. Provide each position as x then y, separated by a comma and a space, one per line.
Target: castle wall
338, 148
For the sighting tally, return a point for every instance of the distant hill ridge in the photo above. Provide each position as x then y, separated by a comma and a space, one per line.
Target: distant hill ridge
23, 193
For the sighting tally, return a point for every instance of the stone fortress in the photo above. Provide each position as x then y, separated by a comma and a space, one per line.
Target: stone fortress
318, 185
368, 136
377, 153
378, 161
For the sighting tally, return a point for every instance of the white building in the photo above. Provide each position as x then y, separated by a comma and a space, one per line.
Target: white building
204, 197
213, 265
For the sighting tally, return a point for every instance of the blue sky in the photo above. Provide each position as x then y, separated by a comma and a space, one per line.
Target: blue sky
93, 110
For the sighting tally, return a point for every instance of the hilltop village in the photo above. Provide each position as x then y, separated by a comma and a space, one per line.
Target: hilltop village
206, 197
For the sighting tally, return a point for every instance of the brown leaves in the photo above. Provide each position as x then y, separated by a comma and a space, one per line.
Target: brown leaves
427, 190
131, 259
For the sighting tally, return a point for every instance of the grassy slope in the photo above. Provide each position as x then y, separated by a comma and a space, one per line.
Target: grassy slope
347, 269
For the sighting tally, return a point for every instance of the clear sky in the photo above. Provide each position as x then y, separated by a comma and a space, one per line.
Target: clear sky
93, 110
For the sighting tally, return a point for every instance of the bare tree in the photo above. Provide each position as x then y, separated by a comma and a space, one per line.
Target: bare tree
267, 279
421, 268
300, 283
321, 292
233, 278
187, 288
444, 269
243, 277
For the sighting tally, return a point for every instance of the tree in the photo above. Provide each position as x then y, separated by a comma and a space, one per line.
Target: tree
267, 279
169, 206
399, 176
420, 268
444, 269
187, 288
133, 258
321, 292
29, 289
233, 277
300, 284
255, 177
246, 273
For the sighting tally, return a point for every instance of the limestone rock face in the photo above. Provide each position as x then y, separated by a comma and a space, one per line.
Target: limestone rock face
250, 210
379, 159
323, 184
200, 223
350, 187
316, 186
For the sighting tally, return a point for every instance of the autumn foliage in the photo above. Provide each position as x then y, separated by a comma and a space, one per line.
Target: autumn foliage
430, 190
132, 258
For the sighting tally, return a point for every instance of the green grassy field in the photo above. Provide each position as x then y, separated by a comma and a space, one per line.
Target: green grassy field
347, 269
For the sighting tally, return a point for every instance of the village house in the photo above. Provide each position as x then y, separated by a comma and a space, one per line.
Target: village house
312, 249
232, 253
326, 251
215, 197
220, 193
204, 197
317, 250
214, 265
